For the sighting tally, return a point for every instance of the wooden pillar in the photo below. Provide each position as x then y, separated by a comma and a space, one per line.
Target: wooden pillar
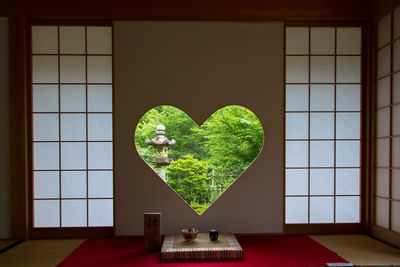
18, 125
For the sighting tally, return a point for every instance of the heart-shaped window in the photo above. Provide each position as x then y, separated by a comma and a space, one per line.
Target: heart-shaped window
199, 162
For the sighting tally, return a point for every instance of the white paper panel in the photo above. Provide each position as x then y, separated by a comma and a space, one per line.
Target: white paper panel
73, 213
322, 125
347, 209
348, 153
45, 127
384, 29
396, 152
348, 126
396, 120
348, 41
100, 98
297, 41
100, 127
384, 61
396, 23
73, 127
100, 184
296, 125
73, 184
382, 213
383, 122
348, 98
45, 98
99, 69
44, 40
44, 69
322, 97
321, 210
396, 184
296, 69
72, 40
296, 210
45, 156
99, 40
321, 182
296, 182
101, 212
72, 69
321, 153
46, 184
296, 98
348, 69
322, 41
46, 213
396, 87
100, 155
382, 182
382, 152
296, 154
396, 55
347, 181
322, 69
73, 155
396, 216
73, 98
383, 92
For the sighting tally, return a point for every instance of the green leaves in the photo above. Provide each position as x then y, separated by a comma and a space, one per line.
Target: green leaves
188, 178
207, 159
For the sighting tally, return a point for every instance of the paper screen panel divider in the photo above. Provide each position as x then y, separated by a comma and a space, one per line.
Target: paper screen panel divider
323, 124
386, 196
72, 126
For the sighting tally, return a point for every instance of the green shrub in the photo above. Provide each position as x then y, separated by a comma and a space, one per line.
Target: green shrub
188, 178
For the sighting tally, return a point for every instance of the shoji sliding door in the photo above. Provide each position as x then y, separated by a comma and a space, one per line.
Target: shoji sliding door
323, 127
387, 164
72, 133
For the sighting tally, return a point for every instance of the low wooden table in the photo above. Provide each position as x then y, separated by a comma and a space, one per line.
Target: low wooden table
176, 248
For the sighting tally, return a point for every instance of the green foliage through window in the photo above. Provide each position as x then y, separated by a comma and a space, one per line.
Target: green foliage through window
205, 160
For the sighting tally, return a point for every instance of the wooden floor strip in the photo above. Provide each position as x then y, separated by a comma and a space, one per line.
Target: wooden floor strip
8, 244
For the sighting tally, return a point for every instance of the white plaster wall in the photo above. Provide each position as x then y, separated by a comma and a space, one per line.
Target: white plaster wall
5, 212
199, 67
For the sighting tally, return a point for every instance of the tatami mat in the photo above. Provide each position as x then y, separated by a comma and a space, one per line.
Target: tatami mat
35, 253
360, 249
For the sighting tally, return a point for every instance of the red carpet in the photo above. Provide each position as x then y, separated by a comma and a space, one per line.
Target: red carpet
273, 251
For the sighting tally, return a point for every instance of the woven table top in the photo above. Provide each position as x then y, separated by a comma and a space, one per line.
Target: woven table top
202, 241
176, 248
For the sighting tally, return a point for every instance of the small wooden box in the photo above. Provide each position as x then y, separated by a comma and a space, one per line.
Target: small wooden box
152, 231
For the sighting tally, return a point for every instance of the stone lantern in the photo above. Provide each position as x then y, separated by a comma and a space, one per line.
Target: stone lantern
160, 144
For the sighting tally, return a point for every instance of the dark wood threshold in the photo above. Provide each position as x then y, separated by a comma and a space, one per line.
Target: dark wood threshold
71, 232
339, 228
